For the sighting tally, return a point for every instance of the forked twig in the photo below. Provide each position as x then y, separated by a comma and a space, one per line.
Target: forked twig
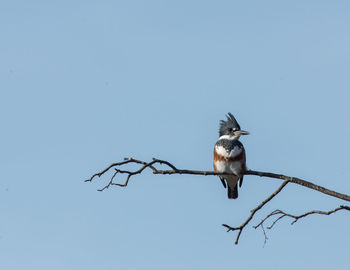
252, 212
281, 214
174, 170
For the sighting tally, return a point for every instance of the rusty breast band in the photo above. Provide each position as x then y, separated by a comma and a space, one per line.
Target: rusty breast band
218, 157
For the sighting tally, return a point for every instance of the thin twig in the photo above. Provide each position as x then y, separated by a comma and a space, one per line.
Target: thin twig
252, 212
174, 170
265, 236
283, 214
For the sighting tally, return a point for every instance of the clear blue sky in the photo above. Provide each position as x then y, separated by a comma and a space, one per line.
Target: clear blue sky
87, 83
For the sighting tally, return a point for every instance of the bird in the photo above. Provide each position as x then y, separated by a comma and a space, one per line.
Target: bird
230, 156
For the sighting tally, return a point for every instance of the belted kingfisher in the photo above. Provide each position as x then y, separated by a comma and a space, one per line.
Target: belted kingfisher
229, 155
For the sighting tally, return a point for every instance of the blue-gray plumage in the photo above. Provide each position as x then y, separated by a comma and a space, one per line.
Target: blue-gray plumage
229, 145
229, 155
226, 127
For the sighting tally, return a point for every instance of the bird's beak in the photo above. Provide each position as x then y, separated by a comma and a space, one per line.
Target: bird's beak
241, 132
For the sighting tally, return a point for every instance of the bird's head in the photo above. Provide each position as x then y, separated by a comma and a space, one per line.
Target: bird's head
231, 128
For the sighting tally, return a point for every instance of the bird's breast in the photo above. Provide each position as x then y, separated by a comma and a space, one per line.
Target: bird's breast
228, 162
235, 167
221, 154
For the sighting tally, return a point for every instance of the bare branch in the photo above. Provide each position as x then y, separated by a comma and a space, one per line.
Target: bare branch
126, 161
301, 182
174, 170
171, 169
281, 214
252, 212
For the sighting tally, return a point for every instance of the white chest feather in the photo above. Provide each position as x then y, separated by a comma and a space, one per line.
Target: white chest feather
229, 167
228, 154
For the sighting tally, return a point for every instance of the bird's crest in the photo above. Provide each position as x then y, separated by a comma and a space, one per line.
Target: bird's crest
228, 125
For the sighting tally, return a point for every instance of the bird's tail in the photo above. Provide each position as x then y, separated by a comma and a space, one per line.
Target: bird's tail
232, 193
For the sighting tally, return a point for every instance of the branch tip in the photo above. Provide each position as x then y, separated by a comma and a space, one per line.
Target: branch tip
278, 213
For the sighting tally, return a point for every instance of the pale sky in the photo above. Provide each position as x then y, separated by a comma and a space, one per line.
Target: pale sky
87, 83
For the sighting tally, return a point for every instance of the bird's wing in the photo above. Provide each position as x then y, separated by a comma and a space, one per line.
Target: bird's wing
223, 181
244, 168
237, 150
241, 181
